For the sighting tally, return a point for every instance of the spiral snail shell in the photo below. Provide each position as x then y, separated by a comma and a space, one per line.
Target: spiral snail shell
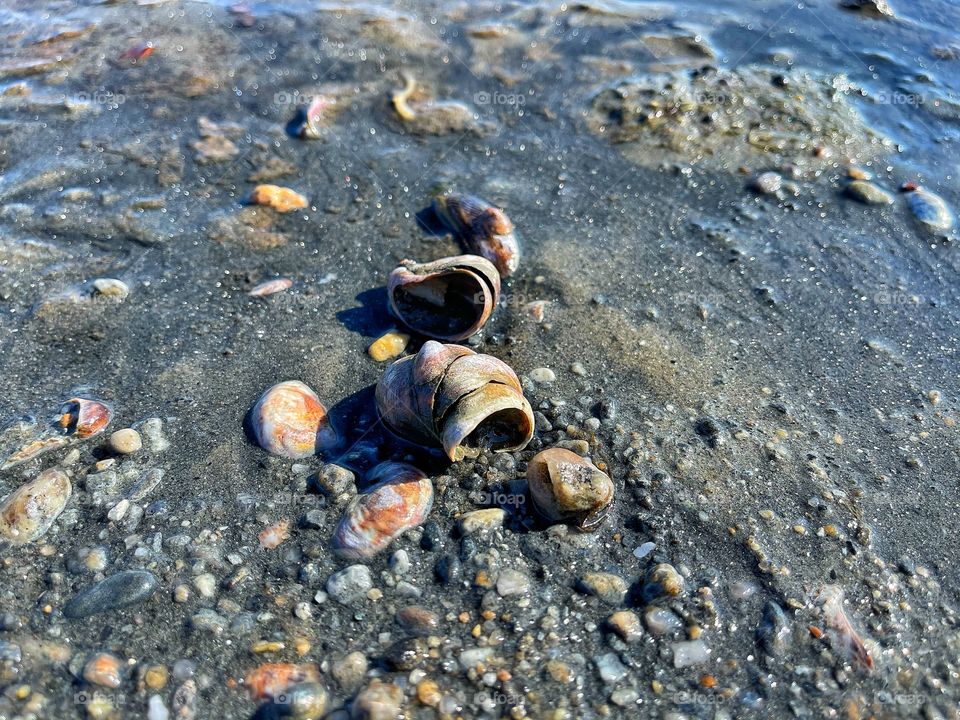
448, 299
483, 229
452, 397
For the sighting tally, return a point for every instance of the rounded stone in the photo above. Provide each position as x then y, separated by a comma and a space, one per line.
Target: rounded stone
126, 441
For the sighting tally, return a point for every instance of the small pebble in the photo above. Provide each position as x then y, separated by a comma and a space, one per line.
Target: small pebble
126, 441
110, 288
125, 588
103, 669
542, 375
388, 346
767, 183
350, 584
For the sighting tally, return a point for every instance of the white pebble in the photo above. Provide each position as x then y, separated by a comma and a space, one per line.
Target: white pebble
126, 441
542, 375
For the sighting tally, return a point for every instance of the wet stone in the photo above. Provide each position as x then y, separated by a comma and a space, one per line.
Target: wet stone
767, 183
868, 193
608, 587
512, 582
350, 585
126, 588
610, 668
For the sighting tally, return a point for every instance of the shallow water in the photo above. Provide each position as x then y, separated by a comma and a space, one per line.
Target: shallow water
785, 365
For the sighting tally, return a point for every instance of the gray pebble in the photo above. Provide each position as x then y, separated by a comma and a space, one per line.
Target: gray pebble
127, 587
350, 584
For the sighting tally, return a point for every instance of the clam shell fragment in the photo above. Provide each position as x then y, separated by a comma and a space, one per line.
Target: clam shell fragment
85, 418
400, 499
567, 488
448, 299
451, 397
29, 511
482, 228
290, 421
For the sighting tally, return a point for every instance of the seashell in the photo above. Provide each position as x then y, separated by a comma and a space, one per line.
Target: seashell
400, 499
272, 680
281, 199
289, 420
33, 449
568, 488
450, 396
103, 669
930, 209
29, 511
274, 535
270, 287
483, 229
448, 299
314, 116
85, 418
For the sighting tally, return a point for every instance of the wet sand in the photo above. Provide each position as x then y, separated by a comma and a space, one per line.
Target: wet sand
769, 378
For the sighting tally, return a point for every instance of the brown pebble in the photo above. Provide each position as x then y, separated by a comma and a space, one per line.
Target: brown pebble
281, 199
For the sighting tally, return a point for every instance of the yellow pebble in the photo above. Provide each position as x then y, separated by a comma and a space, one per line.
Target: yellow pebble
389, 345
156, 677
266, 646
428, 693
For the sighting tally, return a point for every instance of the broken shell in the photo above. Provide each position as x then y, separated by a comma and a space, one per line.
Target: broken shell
281, 199
450, 396
271, 681
290, 421
568, 488
400, 499
314, 116
448, 299
85, 418
483, 229
33, 449
29, 511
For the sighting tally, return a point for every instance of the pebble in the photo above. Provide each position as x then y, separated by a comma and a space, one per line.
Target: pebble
610, 588
388, 346
930, 209
349, 670
334, 481
626, 624
767, 183
271, 287
110, 288
156, 710
281, 199
400, 562
624, 697
206, 585
207, 620
145, 484
103, 669
378, 701
123, 589
868, 193
542, 375
417, 619
512, 582
565, 487
690, 652
480, 521
660, 621
643, 550
662, 581
307, 701
29, 511
350, 584
610, 668
126, 441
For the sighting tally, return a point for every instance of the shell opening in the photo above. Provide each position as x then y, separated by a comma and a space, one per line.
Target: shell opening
505, 428
460, 296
